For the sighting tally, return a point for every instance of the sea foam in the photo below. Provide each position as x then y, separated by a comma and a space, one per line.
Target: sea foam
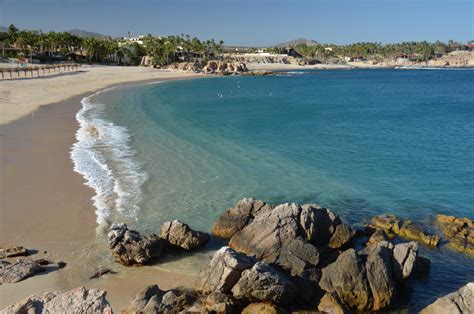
103, 156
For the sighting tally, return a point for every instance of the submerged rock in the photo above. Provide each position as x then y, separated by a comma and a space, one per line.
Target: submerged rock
458, 302
223, 271
19, 271
459, 232
80, 300
13, 251
129, 247
179, 234
263, 283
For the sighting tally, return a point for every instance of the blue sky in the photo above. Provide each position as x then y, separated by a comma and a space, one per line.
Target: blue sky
253, 22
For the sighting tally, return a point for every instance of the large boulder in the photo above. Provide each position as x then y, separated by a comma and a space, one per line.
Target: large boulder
80, 300
330, 304
458, 302
219, 302
223, 271
181, 235
276, 237
263, 308
237, 217
129, 247
12, 251
18, 271
153, 300
263, 283
405, 256
459, 232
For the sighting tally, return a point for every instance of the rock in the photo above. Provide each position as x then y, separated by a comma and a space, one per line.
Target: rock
262, 308
19, 271
80, 300
342, 235
459, 232
347, 279
4, 263
391, 224
259, 73
180, 235
405, 256
42, 262
13, 251
221, 303
153, 300
275, 236
376, 237
237, 217
458, 302
102, 272
380, 276
263, 283
129, 247
308, 285
330, 304
61, 264
318, 223
223, 271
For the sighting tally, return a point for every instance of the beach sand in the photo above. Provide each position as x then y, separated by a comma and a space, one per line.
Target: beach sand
44, 204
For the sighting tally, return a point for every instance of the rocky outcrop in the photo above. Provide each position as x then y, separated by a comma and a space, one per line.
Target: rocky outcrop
458, 231
370, 279
178, 234
13, 251
263, 283
80, 300
286, 235
210, 67
153, 300
129, 247
19, 271
392, 225
223, 271
458, 302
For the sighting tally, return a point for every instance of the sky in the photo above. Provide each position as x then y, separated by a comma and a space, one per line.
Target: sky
253, 22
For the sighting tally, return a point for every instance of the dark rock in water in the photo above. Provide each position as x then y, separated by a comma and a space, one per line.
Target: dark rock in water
180, 235
391, 224
102, 272
19, 271
459, 232
263, 283
370, 280
258, 73
13, 251
347, 279
237, 217
153, 300
219, 302
131, 248
42, 261
223, 271
275, 236
61, 264
330, 303
80, 300
458, 302
263, 308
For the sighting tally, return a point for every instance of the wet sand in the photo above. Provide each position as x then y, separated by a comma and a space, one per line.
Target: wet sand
45, 206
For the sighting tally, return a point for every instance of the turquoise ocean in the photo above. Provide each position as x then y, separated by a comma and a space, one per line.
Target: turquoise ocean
361, 142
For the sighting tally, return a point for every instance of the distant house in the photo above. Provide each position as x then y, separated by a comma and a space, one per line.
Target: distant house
469, 47
131, 40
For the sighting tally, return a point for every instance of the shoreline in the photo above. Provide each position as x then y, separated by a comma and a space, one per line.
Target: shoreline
57, 214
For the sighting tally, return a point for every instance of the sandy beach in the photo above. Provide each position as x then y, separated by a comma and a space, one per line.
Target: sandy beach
45, 205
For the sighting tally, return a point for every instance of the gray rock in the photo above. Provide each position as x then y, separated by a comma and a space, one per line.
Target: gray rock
4, 263
263, 283
347, 279
153, 300
263, 308
80, 300
223, 271
129, 247
318, 223
458, 302
180, 235
143, 297
405, 256
274, 236
237, 217
221, 303
19, 271
13, 251
330, 304
343, 234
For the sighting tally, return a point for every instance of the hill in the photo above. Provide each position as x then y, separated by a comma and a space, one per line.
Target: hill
296, 42
83, 33
3, 29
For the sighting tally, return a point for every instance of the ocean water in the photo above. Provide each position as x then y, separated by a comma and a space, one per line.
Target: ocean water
362, 142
